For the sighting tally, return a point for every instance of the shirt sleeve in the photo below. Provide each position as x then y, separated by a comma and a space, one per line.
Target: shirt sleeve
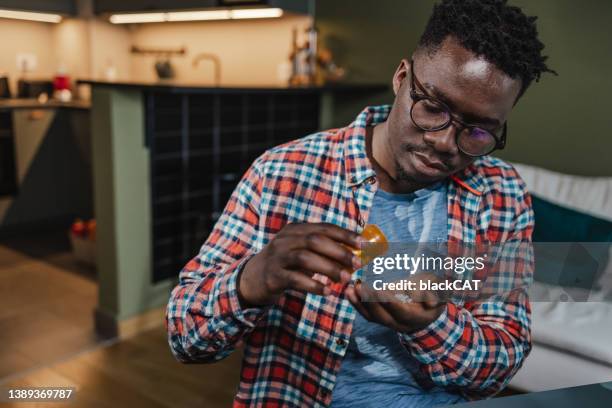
204, 318
478, 348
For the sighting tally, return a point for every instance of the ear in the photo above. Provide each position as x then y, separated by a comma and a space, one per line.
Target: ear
401, 73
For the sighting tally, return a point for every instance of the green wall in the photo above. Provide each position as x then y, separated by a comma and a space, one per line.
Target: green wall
122, 199
563, 123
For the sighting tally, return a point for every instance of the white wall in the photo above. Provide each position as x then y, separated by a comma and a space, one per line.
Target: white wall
82, 46
109, 44
250, 50
26, 37
70, 45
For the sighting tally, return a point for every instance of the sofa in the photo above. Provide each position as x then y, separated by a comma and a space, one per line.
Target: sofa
571, 318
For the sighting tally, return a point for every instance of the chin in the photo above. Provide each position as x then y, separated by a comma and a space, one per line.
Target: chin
410, 174
417, 171
427, 179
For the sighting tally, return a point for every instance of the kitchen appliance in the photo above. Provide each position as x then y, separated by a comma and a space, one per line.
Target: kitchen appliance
5, 91
28, 88
8, 170
61, 87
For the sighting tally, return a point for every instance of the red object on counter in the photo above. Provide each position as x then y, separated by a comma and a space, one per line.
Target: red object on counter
61, 82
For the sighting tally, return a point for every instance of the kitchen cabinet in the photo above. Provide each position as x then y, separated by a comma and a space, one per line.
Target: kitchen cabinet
116, 6
8, 174
67, 7
45, 164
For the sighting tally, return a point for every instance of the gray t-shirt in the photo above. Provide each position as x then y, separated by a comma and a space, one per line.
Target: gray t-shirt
377, 371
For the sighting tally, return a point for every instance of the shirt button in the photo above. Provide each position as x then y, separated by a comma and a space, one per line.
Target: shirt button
340, 342
371, 180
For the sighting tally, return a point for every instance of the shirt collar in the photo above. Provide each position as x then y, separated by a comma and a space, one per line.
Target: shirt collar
358, 167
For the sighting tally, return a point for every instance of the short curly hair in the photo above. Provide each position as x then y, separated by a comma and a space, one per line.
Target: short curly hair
500, 33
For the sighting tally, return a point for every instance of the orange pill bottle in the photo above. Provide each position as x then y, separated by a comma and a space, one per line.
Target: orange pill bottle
375, 244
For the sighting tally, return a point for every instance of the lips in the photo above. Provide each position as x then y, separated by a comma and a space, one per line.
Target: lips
435, 164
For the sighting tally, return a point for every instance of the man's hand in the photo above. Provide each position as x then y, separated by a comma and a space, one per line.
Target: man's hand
380, 307
291, 259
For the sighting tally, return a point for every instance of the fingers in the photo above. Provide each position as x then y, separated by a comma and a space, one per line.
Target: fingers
304, 283
356, 302
329, 248
430, 300
314, 248
383, 308
339, 234
311, 262
373, 310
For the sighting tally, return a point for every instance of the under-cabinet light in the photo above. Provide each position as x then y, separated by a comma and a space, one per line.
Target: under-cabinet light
203, 15
31, 16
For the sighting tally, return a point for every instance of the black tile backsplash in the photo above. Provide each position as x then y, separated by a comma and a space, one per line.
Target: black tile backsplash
200, 146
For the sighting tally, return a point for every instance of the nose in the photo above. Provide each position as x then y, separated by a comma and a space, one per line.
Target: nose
443, 140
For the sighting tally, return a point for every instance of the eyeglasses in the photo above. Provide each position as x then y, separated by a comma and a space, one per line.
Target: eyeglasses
430, 114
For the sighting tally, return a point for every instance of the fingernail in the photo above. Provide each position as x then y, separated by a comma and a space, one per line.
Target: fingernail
359, 240
356, 262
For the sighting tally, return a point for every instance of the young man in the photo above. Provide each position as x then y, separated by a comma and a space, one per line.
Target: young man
274, 275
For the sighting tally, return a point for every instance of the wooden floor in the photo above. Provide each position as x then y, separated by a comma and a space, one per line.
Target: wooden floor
137, 372
47, 340
45, 310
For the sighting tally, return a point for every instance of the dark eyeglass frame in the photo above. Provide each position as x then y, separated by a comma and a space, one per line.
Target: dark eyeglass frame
500, 141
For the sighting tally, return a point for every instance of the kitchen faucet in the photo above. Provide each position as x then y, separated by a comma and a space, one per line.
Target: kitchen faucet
215, 60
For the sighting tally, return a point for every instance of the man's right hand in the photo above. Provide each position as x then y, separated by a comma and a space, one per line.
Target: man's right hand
290, 260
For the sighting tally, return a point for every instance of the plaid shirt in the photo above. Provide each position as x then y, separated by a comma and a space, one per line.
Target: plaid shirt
294, 348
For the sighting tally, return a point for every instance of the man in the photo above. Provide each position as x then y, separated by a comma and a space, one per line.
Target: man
275, 273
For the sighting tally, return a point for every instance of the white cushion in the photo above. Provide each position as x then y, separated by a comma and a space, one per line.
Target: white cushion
591, 195
548, 369
582, 328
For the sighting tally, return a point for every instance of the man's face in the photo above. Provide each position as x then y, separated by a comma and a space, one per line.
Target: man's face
475, 90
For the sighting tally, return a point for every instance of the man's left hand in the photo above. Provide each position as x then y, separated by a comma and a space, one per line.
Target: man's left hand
399, 316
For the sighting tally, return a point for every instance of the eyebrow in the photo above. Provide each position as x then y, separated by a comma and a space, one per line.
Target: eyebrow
469, 118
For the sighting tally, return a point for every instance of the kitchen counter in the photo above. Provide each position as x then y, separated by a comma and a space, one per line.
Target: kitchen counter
168, 156
44, 152
33, 103
207, 88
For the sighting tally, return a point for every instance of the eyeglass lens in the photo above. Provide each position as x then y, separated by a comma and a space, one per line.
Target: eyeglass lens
428, 114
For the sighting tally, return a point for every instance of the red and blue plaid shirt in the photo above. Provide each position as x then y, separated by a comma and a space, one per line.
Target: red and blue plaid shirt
294, 348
